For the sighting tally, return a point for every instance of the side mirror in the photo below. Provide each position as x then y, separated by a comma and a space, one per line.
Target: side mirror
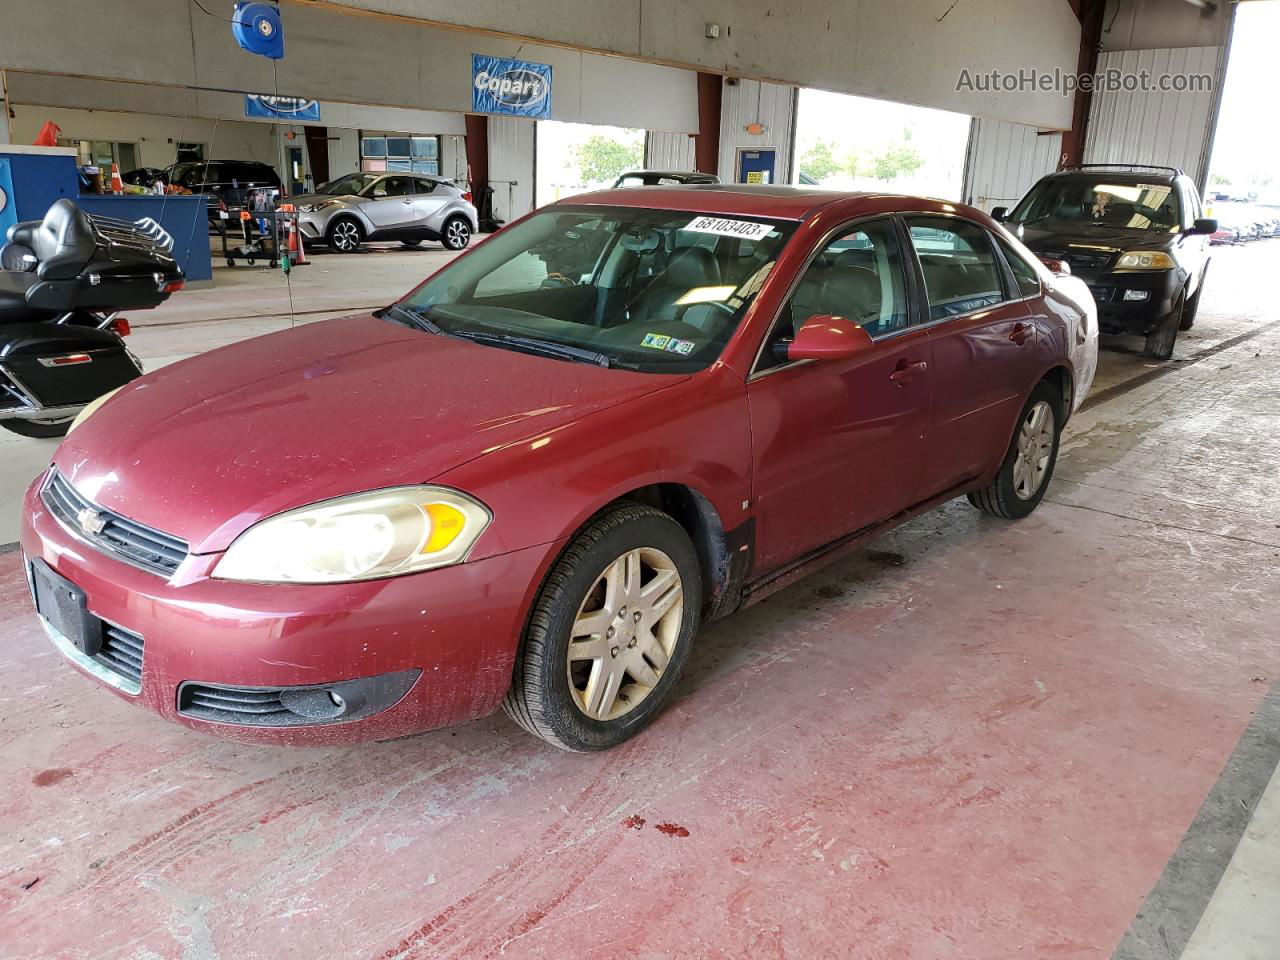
1205, 225
1059, 268
1000, 214
824, 337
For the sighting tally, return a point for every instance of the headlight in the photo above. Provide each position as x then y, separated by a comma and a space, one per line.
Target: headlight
1145, 260
313, 207
91, 408
383, 533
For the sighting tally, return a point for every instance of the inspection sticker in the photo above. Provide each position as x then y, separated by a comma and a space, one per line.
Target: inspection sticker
731, 228
660, 341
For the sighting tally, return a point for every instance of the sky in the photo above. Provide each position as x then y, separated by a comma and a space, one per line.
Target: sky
1247, 145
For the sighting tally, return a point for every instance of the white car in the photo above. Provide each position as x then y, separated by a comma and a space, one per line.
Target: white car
408, 207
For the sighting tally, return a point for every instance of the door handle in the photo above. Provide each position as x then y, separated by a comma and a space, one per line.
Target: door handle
1021, 332
906, 370
406, 201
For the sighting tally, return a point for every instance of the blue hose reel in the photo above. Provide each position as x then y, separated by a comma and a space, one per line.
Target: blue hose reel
257, 28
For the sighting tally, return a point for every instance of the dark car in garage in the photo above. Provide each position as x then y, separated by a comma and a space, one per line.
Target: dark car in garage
1136, 235
528, 482
229, 184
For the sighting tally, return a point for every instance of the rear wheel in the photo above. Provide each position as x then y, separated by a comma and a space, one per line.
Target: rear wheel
1028, 466
456, 234
344, 235
1161, 339
609, 632
42, 429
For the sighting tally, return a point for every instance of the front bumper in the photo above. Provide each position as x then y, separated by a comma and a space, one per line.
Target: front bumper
1116, 314
454, 630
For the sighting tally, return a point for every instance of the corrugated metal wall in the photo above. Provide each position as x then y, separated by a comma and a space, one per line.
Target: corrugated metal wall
1169, 129
1004, 160
511, 153
668, 151
749, 101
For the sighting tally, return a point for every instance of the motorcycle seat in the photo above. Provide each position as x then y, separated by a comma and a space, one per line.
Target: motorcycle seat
13, 296
63, 242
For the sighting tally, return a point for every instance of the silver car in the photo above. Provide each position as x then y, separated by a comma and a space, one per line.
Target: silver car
408, 207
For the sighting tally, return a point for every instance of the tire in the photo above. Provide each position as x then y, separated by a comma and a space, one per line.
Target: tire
1161, 339
344, 235
456, 233
1188, 319
411, 243
551, 694
1008, 496
38, 429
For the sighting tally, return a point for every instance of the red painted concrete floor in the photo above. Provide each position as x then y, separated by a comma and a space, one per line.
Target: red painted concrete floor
972, 740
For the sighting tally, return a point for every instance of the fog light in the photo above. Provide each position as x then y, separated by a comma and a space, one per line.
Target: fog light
1137, 294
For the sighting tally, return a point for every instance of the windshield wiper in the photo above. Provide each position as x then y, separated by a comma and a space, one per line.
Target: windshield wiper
405, 316
561, 351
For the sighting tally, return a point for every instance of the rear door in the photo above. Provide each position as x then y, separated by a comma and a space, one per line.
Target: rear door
389, 202
983, 339
428, 198
836, 444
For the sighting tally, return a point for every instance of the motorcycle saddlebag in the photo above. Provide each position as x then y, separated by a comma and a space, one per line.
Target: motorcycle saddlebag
62, 365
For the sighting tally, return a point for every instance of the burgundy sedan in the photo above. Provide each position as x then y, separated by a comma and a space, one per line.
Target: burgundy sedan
530, 480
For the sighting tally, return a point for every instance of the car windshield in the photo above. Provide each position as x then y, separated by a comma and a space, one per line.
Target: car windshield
189, 171
651, 290
349, 185
1101, 202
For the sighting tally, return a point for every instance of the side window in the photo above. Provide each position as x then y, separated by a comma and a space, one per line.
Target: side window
424, 185
1023, 272
393, 187
859, 275
959, 266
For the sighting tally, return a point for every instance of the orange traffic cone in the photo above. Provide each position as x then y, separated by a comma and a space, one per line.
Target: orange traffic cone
117, 185
296, 254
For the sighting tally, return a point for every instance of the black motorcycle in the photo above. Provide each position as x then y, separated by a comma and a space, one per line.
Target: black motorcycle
63, 281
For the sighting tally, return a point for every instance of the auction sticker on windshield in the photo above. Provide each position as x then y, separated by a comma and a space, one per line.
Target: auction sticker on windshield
744, 229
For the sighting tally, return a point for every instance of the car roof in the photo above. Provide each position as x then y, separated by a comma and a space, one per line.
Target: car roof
1118, 175
682, 174
778, 202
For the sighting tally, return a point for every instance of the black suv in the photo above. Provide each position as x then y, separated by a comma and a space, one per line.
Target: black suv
1135, 234
230, 185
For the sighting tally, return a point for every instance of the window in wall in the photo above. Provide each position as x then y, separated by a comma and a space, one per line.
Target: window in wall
400, 152
103, 153
190, 151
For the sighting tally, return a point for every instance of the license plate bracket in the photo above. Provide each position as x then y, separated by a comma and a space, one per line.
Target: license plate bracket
65, 607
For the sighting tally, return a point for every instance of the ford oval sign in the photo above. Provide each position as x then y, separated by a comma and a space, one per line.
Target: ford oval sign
518, 88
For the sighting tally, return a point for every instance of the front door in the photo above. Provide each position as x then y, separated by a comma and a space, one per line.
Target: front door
836, 443
389, 203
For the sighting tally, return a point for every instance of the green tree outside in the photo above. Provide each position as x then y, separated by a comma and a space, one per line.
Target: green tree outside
603, 160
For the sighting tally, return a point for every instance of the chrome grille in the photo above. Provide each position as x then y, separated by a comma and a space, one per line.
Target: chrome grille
127, 539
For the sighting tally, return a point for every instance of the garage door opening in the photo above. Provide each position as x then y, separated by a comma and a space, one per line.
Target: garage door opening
577, 157
1242, 169
857, 143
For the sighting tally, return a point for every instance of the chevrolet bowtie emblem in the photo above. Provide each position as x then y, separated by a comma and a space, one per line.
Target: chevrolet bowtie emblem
90, 520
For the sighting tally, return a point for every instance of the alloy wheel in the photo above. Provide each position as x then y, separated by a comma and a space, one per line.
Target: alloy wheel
625, 633
346, 235
1035, 449
457, 234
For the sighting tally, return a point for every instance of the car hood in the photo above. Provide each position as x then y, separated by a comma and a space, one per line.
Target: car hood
205, 447
1110, 239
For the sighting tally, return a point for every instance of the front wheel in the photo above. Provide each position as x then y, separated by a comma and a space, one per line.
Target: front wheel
609, 632
456, 234
1161, 339
41, 429
1028, 466
344, 236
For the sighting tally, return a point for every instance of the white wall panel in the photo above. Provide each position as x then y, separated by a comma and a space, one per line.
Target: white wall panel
511, 158
1005, 159
1169, 129
668, 151
749, 101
